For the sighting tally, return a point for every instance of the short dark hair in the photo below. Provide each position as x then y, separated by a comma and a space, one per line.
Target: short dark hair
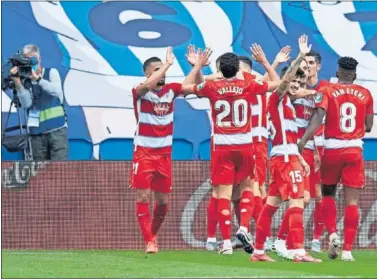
300, 73
246, 60
229, 64
150, 61
316, 55
347, 63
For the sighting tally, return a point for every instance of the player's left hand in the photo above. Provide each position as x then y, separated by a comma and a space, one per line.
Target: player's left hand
258, 53
303, 44
34, 75
170, 56
202, 58
283, 55
192, 54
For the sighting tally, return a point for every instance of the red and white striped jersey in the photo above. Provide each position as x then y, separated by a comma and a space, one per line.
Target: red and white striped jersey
230, 101
319, 139
304, 109
346, 107
259, 114
154, 117
283, 126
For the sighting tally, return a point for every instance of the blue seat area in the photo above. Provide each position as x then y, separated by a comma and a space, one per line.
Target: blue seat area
80, 149
205, 150
11, 156
116, 149
182, 149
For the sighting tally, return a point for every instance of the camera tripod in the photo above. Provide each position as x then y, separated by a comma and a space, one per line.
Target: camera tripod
24, 129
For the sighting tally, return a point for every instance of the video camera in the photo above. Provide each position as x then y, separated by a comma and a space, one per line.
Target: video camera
24, 65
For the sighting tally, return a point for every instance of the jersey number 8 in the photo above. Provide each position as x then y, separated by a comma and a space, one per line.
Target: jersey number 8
239, 110
347, 117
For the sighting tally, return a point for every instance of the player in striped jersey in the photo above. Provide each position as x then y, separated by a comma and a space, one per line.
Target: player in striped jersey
232, 159
287, 167
152, 167
349, 114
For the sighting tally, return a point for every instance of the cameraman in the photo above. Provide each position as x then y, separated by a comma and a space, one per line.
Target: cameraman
44, 104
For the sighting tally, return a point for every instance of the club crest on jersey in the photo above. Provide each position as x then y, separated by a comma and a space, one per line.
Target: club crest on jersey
200, 86
318, 98
161, 109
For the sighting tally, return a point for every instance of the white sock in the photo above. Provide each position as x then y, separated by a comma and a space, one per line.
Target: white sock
227, 243
315, 240
244, 229
258, 252
333, 236
211, 239
300, 252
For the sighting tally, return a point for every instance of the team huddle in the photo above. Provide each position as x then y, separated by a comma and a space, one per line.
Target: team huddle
316, 129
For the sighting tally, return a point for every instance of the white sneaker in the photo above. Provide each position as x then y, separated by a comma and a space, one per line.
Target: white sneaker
211, 246
226, 250
280, 248
347, 256
245, 238
316, 246
268, 245
287, 254
334, 246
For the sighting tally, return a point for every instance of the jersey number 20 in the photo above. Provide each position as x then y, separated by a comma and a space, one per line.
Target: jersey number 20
348, 117
238, 109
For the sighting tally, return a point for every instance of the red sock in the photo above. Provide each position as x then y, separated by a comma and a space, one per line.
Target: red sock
224, 220
284, 226
289, 242
212, 217
351, 224
318, 220
258, 206
246, 206
237, 210
159, 214
144, 219
264, 200
296, 226
264, 225
329, 214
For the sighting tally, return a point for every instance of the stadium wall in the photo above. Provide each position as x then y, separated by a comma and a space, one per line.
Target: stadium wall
88, 205
99, 47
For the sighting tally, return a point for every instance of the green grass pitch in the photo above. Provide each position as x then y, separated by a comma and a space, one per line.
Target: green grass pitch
173, 264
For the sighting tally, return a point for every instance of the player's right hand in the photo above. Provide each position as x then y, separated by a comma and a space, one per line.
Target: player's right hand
305, 166
170, 56
303, 44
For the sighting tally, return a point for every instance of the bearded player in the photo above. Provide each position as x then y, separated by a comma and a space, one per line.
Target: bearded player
348, 109
152, 167
232, 160
287, 167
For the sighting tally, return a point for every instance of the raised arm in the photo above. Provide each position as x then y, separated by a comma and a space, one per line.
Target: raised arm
291, 72
281, 57
151, 82
259, 56
191, 55
201, 60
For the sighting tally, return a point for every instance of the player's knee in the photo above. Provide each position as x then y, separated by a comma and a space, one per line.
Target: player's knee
328, 190
142, 196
